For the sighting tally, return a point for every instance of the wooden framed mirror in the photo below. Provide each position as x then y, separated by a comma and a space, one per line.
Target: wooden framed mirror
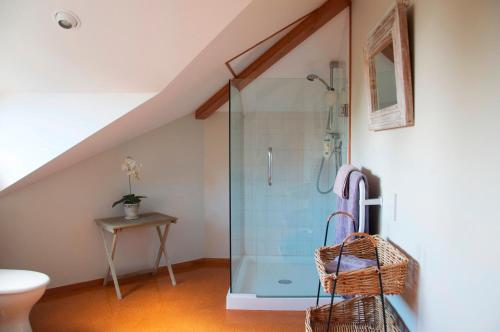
387, 55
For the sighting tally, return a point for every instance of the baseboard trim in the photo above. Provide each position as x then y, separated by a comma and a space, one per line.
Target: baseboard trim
222, 262
130, 277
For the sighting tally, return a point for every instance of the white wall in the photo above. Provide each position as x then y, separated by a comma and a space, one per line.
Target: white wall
48, 226
313, 55
445, 168
216, 185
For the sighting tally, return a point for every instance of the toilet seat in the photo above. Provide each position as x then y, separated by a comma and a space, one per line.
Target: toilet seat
20, 281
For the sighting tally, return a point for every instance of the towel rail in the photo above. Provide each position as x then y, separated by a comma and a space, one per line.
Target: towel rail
363, 202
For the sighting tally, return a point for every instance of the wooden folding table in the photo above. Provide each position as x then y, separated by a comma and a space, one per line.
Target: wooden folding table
118, 224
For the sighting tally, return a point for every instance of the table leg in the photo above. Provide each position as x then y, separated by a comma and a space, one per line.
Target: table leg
113, 249
163, 250
158, 255
110, 263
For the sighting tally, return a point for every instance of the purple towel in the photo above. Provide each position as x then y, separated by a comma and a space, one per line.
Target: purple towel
349, 263
341, 185
343, 225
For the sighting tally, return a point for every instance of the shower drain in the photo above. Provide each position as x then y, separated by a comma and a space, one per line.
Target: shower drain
284, 282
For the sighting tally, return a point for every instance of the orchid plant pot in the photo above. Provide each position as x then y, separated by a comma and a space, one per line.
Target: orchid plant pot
131, 202
131, 211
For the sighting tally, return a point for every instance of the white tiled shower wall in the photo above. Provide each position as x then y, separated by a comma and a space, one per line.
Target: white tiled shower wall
288, 217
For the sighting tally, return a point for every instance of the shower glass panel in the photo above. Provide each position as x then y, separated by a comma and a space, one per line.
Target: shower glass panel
278, 130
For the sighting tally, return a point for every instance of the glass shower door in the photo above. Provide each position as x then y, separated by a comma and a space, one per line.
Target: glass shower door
277, 212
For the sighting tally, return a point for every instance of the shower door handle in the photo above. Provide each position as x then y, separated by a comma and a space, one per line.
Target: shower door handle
270, 166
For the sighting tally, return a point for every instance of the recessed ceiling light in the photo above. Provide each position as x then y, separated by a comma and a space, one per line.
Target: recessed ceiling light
67, 20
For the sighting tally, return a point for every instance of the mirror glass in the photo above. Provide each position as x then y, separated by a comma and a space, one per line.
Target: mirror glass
385, 75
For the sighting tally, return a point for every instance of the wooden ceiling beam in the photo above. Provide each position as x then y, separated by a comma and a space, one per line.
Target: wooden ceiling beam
288, 42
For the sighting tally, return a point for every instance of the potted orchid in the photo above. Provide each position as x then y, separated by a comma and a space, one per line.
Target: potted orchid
130, 201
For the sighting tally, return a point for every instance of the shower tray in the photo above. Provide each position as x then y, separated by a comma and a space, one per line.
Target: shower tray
294, 276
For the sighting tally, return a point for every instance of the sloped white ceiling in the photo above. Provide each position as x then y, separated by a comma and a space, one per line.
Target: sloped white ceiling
204, 75
243, 60
37, 127
58, 87
122, 45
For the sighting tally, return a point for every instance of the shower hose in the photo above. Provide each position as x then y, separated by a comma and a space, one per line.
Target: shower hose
321, 168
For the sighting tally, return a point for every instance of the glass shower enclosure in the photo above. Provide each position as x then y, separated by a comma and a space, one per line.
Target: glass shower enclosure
287, 139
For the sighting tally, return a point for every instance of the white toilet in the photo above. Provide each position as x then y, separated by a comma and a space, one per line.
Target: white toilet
19, 291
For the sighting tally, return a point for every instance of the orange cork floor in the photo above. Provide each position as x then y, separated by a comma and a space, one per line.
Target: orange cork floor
197, 303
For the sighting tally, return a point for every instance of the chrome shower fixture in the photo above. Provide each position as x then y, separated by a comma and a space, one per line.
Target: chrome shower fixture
329, 87
332, 142
313, 77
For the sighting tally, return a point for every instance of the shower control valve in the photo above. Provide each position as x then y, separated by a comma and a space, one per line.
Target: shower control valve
327, 148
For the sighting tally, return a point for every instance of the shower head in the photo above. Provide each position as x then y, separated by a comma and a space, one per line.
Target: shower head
313, 77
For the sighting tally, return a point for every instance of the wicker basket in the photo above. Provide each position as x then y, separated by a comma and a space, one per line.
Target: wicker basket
393, 265
357, 314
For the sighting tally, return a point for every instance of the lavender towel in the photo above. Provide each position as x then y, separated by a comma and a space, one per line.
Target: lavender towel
343, 225
341, 185
349, 263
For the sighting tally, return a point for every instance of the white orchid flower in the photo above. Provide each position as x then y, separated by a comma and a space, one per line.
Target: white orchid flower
131, 167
